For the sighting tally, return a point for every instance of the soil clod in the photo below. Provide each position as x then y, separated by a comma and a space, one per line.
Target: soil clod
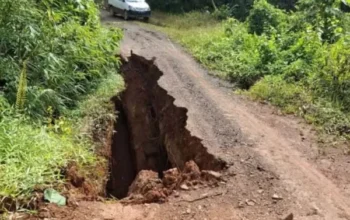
289, 217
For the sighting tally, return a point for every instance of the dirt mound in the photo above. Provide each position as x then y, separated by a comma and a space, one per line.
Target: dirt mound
149, 188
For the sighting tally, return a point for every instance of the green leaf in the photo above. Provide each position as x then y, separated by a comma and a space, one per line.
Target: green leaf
346, 2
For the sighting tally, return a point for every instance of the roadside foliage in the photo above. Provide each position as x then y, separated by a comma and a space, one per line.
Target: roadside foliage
53, 54
293, 54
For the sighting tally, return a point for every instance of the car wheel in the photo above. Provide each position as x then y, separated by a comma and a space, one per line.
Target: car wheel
126, 15
146, 19
111, 10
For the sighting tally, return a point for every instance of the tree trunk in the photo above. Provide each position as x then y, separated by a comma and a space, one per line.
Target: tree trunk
214, 5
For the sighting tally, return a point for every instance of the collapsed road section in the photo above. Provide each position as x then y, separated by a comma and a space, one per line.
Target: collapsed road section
150, 132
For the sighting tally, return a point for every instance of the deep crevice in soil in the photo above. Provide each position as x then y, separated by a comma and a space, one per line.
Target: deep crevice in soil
150, 132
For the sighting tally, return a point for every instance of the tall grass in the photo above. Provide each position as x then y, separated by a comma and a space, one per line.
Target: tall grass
33, 157
183, 21
96, 111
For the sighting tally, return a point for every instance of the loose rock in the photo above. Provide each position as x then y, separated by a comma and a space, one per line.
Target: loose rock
184, 187
176, 194
241, 204
313, 211
212, 174
250, 202
276, 197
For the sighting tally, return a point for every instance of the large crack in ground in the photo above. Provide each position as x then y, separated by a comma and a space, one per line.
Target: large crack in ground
150, 133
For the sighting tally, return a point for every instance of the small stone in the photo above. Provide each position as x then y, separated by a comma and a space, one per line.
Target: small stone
276, 197
241, 204
188, 211
211, 173
184, 187
204, 195
44, 215
176, 194
313, 211
260, 191
199, 207
250, 202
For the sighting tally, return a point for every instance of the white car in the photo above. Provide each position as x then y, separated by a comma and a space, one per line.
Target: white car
130, 8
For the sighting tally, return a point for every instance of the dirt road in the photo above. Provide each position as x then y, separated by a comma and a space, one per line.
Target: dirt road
276, 167
235, 130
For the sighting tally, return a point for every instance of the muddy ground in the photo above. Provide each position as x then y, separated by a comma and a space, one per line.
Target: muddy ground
275, 165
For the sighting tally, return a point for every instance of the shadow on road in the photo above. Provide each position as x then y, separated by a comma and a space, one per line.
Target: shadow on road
106, 16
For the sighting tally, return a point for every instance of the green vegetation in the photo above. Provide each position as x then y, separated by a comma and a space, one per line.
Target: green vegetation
64, 53
237, 8
58, 69
297, 59
33, 155
58, 72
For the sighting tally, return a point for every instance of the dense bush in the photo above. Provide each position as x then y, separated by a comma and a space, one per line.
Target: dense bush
59, 46
289, 96
56, 60
284, 4
223, 12
324, 16
239, 9
265, 18
332, 78
236, 8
